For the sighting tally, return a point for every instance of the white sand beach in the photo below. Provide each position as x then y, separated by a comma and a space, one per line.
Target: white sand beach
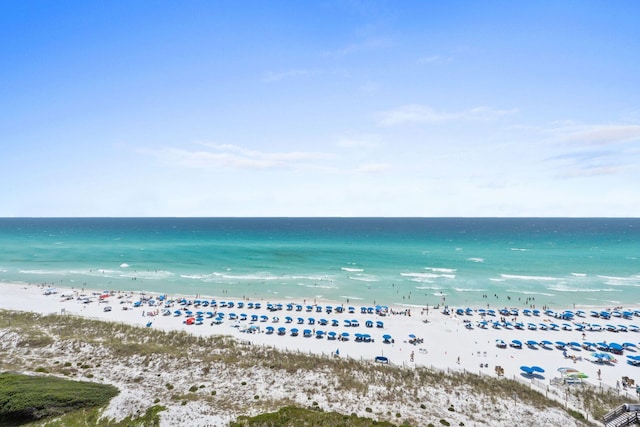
442, 341
451, 341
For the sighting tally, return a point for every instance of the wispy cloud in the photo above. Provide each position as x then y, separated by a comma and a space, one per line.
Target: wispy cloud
435, 59
272, 77
360, 141
234, 157
592, 135
589, 163
364, 46
416, 113
372, 168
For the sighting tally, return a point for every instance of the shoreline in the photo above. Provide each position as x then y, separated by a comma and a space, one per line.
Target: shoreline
442, 341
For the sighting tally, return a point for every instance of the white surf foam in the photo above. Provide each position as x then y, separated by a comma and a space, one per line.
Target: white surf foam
352, 269
524, 277
475, 259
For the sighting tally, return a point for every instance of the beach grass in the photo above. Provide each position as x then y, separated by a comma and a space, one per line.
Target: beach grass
74, 346
25, 398
290, 415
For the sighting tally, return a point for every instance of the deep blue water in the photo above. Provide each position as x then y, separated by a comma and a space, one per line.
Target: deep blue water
459, 261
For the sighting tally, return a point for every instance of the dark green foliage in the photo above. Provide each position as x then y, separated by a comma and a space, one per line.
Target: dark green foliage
25, 398
290, 416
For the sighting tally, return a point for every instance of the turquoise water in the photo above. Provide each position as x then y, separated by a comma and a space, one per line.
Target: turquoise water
415, 261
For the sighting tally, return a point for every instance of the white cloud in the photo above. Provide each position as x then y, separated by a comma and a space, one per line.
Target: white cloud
361, 141
416, 113
599, 134
364, 46
435, 59
272, 77
234, 157
372, 168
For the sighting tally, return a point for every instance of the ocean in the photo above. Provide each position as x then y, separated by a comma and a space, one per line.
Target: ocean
515, 262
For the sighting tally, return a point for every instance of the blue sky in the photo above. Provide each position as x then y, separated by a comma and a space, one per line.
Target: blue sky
326, 108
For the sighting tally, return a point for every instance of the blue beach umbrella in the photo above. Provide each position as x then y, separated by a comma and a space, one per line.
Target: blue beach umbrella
546, 343
537, 369
526, 369
615, 346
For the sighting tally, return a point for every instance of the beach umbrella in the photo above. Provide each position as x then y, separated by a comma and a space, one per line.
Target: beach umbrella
532, 343
628, 344
526, 369
565, 370
537, 369
561, 344
615, 346
574, 344
546, 343
412, 336
580, 375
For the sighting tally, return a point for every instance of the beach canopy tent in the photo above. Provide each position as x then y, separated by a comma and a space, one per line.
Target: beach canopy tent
306, 333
